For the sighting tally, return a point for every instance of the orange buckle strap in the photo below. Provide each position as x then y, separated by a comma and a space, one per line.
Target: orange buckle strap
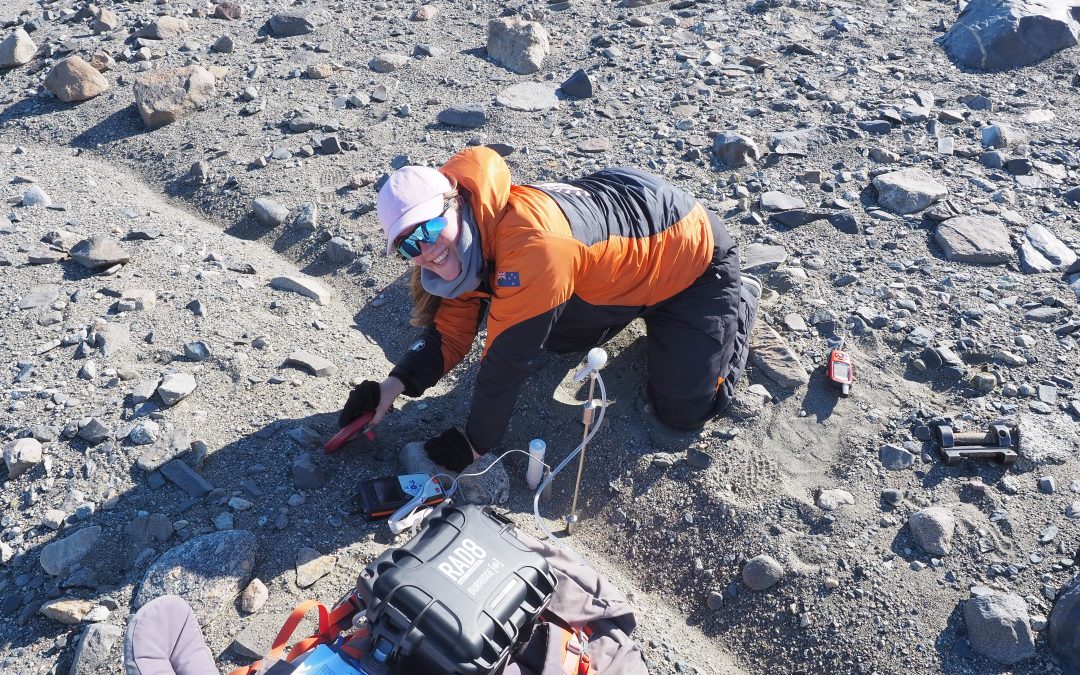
289, 627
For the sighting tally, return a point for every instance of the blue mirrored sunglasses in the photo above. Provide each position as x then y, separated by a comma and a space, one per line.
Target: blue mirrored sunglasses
425, 233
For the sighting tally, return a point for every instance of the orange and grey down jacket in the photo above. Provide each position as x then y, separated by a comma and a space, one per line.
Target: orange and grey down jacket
618, 241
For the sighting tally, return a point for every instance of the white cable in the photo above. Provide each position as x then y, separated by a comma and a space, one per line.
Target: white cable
407, 515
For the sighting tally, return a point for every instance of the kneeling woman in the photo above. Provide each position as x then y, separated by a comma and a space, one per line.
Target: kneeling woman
564, 267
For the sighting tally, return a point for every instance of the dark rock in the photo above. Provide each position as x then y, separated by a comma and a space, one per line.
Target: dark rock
1004, 34
468, 116
186, 478
1064, 626
578, 85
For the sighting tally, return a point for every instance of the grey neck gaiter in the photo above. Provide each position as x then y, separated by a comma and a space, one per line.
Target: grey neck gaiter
472, 262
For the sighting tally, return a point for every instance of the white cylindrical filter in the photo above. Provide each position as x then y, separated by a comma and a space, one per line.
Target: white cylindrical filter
535, 472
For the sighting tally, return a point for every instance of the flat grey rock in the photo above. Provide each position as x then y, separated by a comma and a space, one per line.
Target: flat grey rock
312, 566
908, 191
974, 239
304, 286
528, 97
1041, 251
1005, 34
775, 358
175, 387
207, 571
57, 557
998, 627
466, 115
258, 635
932, 529
316, 365
774, 200
757, 257
186, 478
99, 252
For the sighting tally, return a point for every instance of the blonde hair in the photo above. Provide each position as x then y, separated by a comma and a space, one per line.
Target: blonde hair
425, 304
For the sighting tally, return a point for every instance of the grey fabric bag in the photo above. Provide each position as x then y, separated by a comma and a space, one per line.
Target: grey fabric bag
582, 596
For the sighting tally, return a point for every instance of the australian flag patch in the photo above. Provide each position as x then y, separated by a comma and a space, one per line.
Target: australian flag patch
507, 279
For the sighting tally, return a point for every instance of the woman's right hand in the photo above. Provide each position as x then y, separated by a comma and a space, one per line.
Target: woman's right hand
389, 390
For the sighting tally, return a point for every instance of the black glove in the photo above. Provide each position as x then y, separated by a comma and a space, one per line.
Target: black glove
451, 449
364, 398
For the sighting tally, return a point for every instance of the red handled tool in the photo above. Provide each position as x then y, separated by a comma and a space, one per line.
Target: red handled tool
361, 425
841, 373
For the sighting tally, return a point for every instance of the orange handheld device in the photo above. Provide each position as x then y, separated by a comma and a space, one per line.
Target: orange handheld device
841, 373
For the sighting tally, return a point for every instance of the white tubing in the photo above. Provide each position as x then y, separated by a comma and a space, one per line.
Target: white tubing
406, 516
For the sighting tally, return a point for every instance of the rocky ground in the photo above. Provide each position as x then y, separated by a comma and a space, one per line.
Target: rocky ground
193, 276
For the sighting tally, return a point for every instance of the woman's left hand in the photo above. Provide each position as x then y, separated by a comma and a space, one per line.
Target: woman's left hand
451, 449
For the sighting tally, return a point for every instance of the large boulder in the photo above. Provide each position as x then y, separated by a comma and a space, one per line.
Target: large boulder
16, 49
1003, 34
518, 44
998, 628
73, 80
1064, 626
207, 571
167, 95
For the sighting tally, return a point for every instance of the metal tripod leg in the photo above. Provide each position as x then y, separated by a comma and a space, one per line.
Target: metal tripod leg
587, 420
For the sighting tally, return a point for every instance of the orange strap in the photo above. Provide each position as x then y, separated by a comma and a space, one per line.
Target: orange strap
282, 640
575, 647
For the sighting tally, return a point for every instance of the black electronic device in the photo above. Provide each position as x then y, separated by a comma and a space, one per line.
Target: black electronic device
379, 498
456, 598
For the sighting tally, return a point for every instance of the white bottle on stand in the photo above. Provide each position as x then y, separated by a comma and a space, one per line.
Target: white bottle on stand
535, 471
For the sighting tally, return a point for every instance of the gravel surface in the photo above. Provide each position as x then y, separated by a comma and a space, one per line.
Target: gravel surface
184, 309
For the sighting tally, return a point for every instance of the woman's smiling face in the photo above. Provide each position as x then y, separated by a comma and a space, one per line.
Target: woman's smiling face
442, 257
